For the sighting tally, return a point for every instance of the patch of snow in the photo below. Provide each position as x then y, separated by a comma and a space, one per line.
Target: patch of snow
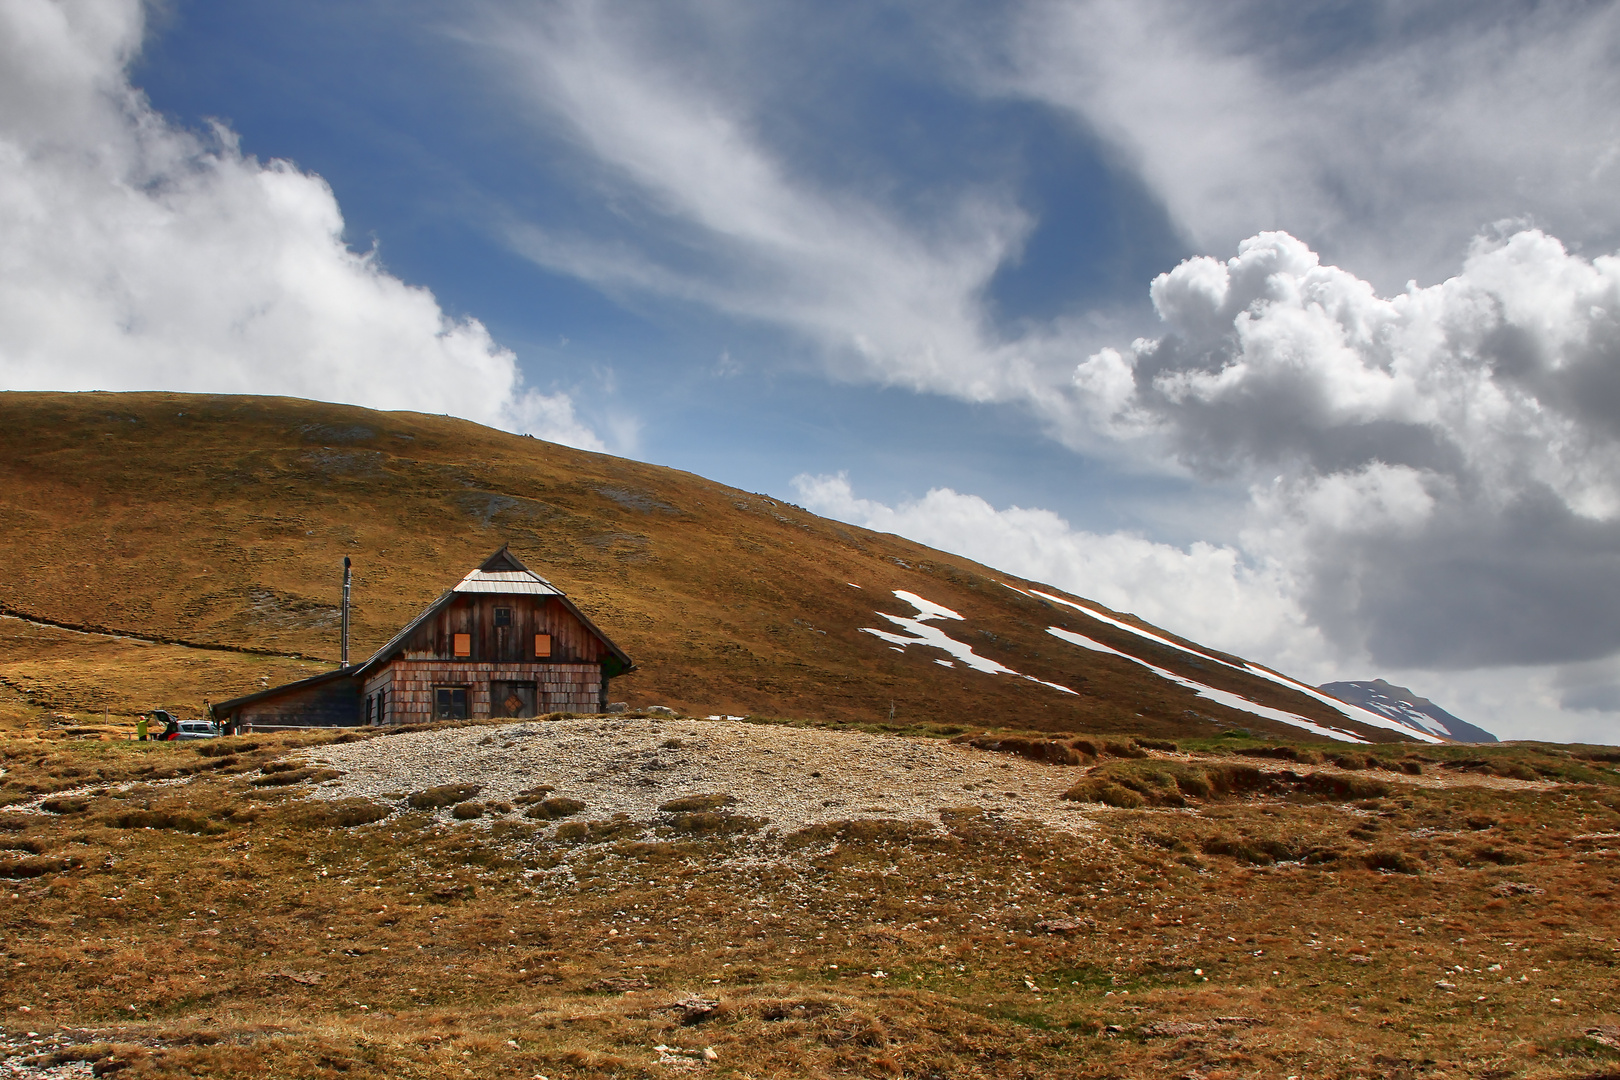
1222, 697
924, 634
852, 585
927, 609
1354, 712
945, 663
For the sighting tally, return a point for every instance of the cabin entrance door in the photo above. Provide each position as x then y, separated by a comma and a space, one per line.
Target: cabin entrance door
511, 699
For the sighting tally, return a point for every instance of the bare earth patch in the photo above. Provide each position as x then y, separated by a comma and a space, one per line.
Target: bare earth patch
790, 777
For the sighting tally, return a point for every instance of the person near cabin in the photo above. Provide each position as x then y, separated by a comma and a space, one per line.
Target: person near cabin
140, 727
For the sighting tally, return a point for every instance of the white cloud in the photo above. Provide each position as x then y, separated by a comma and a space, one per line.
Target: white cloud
1387, 134
1210, 593
138, 256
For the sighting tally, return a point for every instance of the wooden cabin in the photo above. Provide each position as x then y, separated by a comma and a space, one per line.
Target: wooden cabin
504, 642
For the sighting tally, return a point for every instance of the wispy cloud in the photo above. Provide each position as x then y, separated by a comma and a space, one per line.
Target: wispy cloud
718, 217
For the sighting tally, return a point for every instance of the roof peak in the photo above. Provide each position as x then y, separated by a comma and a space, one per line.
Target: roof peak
503, 560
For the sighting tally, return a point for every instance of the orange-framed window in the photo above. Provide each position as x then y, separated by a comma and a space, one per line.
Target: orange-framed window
462, 645
542, 646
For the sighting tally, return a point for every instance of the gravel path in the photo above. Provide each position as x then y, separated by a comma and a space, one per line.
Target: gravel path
791, 776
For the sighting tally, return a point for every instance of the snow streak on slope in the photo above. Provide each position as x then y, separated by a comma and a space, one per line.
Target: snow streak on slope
1221, 697
1354, 712
924, 634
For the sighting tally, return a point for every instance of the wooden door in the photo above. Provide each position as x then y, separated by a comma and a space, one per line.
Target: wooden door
511, 699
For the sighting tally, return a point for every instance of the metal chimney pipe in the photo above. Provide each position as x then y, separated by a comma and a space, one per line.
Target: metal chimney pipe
345, 611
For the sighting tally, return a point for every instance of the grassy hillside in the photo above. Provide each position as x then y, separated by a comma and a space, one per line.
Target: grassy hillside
212, 525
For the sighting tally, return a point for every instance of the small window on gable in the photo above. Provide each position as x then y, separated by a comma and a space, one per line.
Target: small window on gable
503, 616
462, 645
542, 646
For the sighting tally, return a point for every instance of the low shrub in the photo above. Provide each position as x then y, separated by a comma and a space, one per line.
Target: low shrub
1049, 750
1283, 753
1157, 744
619, 827
1250, 850
340, 813
1100, 789
712, 823
185, 821
34, 867
1324, 785
1164, 783
65, 806
553, 808
1396, 862
690, 803
296, 776
467, 811
435, 798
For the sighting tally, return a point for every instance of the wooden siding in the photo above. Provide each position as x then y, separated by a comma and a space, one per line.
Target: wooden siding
328, 704
409, 683
473, 614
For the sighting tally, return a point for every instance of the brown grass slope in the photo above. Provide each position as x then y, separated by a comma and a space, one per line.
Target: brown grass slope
210, 525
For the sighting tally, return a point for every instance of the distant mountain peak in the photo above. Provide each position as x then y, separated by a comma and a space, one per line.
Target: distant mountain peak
1405, 707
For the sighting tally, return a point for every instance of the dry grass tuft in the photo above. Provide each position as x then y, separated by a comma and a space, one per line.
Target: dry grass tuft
435, 798
553, 809
698, 803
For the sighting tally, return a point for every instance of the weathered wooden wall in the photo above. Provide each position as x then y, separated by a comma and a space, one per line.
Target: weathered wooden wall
474, 614
329, 704
559, 687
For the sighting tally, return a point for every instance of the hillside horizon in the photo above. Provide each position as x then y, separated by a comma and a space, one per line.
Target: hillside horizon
217, 525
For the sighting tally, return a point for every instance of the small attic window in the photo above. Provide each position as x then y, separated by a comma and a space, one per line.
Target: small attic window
503, 616
462, 645
542, 646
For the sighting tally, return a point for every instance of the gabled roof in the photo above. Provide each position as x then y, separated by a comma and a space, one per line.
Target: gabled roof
504, 574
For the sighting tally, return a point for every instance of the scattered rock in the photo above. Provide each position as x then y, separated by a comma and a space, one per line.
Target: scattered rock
618, 707
303, 978
1515, 888
1060, 926
1448, 987
1168, 1029
694, 1009
1608, 1035
659, 710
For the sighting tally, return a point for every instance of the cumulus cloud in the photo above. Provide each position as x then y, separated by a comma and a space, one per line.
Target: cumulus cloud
1386, 133
1439, 471
141, 256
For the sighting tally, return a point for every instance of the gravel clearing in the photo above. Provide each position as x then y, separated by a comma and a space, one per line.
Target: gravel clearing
792, 777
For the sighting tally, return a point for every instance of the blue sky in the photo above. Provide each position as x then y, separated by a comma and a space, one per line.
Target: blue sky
398, 115
1291, 328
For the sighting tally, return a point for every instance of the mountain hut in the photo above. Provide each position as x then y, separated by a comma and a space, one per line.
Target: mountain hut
504, 642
